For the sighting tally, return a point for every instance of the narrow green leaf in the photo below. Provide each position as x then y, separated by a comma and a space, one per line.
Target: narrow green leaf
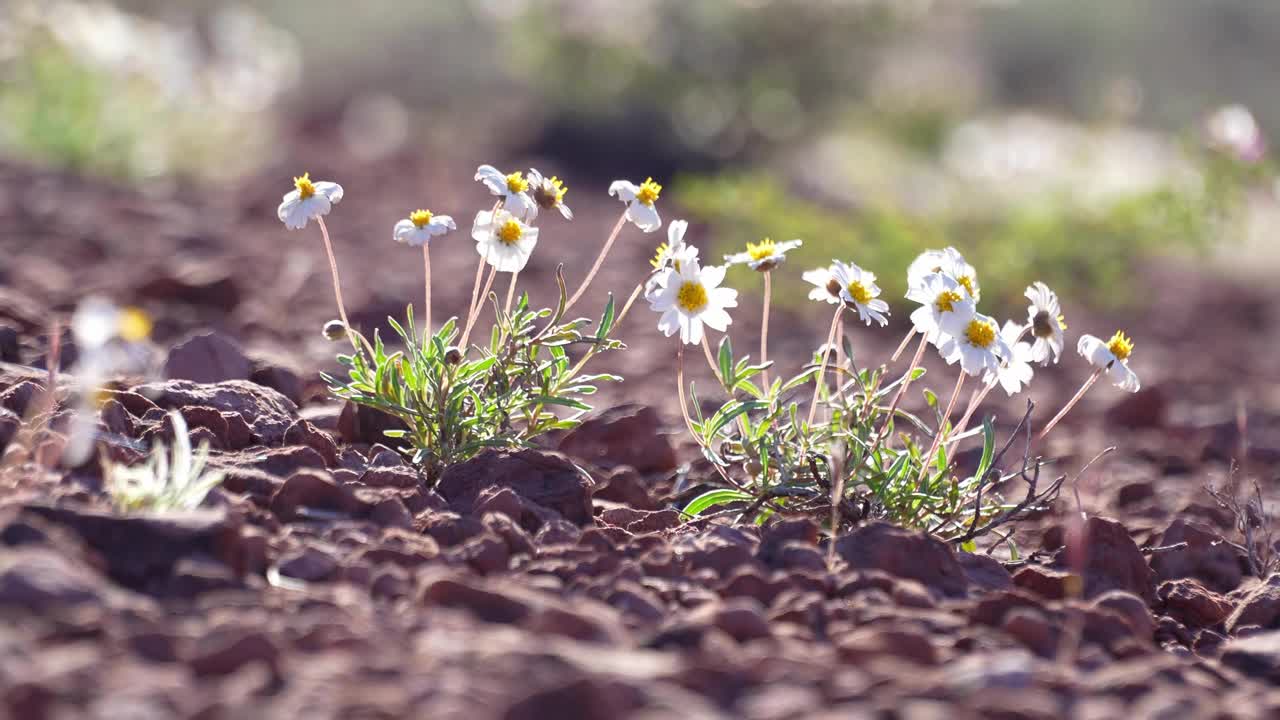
712, 498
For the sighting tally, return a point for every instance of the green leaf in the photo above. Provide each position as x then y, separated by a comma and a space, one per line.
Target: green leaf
606, 320
969, 546
988, 449
724, 357
712, 498
930, 398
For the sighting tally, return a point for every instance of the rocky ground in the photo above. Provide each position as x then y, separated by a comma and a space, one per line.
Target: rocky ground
325, 580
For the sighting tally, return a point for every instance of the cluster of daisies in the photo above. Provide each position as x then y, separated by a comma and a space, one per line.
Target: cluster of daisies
689, 296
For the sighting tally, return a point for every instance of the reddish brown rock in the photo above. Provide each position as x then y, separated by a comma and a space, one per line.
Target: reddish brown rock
207, 358
623, 435
1260, 607
266, 411
1193, 605
545, 479
1207, 557
307, 491
902, 553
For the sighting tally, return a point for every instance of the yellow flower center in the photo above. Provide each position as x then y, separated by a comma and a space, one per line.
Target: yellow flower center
967, 283
1120, 346
659, 254
1062, 322
761, 250
648, 192
516, 182
692, 297
510, 232
980, 334
420, 218
560, 189
859, 293
305, 187
946, 300
134, 325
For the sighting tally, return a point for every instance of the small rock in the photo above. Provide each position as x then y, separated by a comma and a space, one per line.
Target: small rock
1192, 604
266, 411
906, 554
1207, 557
1260, 607
308, 563
1256, 656
1112, 561
308, 490
279, 378
38, 579
302, 432
626, 486
623, 435
207, 358
224, 652
542, 478
363, 424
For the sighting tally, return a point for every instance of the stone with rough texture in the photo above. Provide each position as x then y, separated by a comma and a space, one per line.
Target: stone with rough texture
1207, 557
266, 411
1112, 561
1256, 655
207, 358
906, 554
1260, 606
545, 479
626, 434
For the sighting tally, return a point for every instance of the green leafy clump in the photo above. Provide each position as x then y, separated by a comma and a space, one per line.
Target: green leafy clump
505, 396
176, 480
854, 461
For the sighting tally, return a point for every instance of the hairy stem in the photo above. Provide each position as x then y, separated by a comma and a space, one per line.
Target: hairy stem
897, 397
711, 361
475, 312
511, 293
820, 380
426, 274
1088, 383
903, 345
604, 251
337, 289
764, 326
940, 436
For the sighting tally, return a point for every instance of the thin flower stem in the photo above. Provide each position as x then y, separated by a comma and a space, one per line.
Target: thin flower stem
764, 326
475, 286
903, 345
684, 412
627, 307
337, 289
974, 401
941, 435
711, 361
511, 292
426, 274
604, 251
897, 397
475, 313
822, 366
1088, 383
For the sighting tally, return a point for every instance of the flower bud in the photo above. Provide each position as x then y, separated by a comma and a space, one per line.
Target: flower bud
452, 356
334, 330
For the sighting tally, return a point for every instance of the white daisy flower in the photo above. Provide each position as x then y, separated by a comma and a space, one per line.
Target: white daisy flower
948, 262
826, 288
764, 255
1113, 357
418, 229
692, 297
1015, 372
675, 250
640, 201
548, 193
946, 306
307, 200
503, 240
858, 290
978, 346
513, 189
1044, 317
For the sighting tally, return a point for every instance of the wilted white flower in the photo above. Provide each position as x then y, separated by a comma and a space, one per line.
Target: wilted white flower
503, 240
307, 200
640, 201
826, 287
418, 229
1015, 371
691, 297
945, 306
1044, 316
978, 346
764, 255
1232, 128
858, 290
673, 253
548, 193
513, 189
1113, 357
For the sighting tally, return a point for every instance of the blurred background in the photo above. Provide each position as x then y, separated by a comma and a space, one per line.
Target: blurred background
1083, 142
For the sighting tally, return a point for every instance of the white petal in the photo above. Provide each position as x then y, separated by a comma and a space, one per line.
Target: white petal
1125, 378
402, 230
737, 258
565, 212
818, 277
287, 206
717, 319
725, 297
492, 179
625, 190
711, 276
644, 216
331, 190
669, 323
675, 232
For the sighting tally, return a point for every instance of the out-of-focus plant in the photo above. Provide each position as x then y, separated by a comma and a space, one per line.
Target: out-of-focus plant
93, 88
174, 479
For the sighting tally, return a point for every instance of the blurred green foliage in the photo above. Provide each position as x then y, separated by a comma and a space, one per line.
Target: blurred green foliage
1091, 254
